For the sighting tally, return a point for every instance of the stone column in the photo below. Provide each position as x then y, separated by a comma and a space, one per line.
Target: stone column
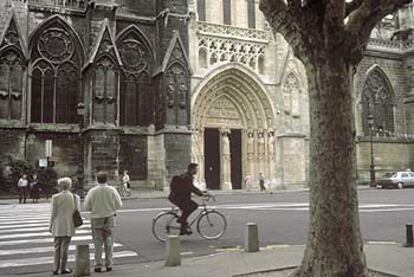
250, 155
225, 160
271, 156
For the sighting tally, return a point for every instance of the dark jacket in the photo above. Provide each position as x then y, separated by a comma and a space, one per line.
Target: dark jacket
181, 188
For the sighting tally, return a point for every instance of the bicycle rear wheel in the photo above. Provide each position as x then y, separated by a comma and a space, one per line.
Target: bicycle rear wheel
211, 225
165, 224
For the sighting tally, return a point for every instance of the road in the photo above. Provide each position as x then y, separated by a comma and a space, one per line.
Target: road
282, 219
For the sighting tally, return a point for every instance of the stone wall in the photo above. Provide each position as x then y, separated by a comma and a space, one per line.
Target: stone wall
66, 151
391, 155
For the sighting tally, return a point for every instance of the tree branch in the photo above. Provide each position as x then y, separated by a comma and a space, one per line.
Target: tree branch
285, 19
364, 18
352, 6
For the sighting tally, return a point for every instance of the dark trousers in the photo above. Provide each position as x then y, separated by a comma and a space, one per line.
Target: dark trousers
22, 194
262, 186
186, 207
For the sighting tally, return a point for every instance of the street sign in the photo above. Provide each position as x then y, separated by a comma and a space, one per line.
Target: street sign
48, 148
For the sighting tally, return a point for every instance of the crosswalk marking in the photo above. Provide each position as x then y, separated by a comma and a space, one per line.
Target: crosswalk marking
49, 260
25, 240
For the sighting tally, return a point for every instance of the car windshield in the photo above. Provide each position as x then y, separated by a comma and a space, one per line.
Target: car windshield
390, 174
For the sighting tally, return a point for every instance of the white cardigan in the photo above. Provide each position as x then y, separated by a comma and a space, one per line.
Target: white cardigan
61, 220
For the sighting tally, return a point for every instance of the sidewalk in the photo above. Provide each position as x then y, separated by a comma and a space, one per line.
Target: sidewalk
386, 258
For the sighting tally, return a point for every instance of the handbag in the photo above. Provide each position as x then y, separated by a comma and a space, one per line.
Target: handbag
77, 218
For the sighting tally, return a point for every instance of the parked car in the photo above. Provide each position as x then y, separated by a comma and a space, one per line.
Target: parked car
396, 179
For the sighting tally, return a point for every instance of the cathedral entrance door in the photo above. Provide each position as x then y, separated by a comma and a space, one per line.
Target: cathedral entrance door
236, 158
212, 157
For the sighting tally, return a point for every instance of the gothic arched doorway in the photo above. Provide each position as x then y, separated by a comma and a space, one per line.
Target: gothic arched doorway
233, 121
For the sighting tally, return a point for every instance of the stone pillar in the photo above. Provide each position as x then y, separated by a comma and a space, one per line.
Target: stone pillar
251, 240
83, 264
173, 251
225, 162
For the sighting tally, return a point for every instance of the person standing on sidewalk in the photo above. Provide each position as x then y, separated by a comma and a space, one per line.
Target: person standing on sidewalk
61, 224
22, 188
102, 201
34, 188
262, 182
125, 184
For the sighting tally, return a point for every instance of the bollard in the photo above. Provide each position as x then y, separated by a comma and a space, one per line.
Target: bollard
172, 251
82, 261
251, 241
409, 235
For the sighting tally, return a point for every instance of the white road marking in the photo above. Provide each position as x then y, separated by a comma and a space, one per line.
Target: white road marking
49, 260
25, 229
46, 249
38, 234
46, 240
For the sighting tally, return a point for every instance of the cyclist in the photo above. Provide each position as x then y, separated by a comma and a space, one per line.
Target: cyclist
180, 195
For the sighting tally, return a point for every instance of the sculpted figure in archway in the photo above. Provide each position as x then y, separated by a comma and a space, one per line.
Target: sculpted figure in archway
226, 142
261, 143
250, 144
271, 143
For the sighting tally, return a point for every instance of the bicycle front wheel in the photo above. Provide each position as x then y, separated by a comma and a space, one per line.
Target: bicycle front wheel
211, 225
165, 224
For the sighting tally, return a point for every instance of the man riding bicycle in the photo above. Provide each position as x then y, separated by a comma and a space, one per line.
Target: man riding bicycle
180, 195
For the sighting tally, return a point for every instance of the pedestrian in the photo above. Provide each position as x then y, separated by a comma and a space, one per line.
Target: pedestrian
22, 188
102, 201
125, 184
61, 224
262, 182
247, 181
181, 188
34, 188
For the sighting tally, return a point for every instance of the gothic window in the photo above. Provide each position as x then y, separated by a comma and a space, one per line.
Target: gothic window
136, 94
105, 91
201, 10
251, 14
377, 101
55, 84
202, 58
227, 12
11, 85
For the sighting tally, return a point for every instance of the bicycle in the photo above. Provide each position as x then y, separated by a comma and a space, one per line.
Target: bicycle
122, 190
211, 224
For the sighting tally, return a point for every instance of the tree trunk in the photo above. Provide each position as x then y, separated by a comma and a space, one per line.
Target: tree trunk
334, 247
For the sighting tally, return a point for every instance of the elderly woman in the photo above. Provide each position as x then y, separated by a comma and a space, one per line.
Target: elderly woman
61, 223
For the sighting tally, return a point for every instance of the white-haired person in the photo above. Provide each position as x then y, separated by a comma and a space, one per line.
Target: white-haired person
61, 223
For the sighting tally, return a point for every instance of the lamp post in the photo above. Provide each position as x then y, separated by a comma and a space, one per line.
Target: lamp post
80, 111
370, 119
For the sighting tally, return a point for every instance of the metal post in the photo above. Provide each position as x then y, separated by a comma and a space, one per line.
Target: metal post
409, 235
372, 165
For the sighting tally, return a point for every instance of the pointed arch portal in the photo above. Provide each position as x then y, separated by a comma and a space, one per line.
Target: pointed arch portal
233, 121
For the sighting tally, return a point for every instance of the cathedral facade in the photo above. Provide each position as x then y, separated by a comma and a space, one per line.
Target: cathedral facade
150, 85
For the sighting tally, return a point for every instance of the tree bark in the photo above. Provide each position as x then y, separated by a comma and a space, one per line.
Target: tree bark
334, 246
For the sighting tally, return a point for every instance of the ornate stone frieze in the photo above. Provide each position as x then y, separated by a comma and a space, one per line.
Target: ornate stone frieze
221, 44
211, 29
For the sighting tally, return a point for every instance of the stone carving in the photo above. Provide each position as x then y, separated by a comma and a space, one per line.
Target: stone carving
261, 143
134, 57
250, 144
177, 86
205, 28
270, 143
55, 45
226, 142
230, 50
